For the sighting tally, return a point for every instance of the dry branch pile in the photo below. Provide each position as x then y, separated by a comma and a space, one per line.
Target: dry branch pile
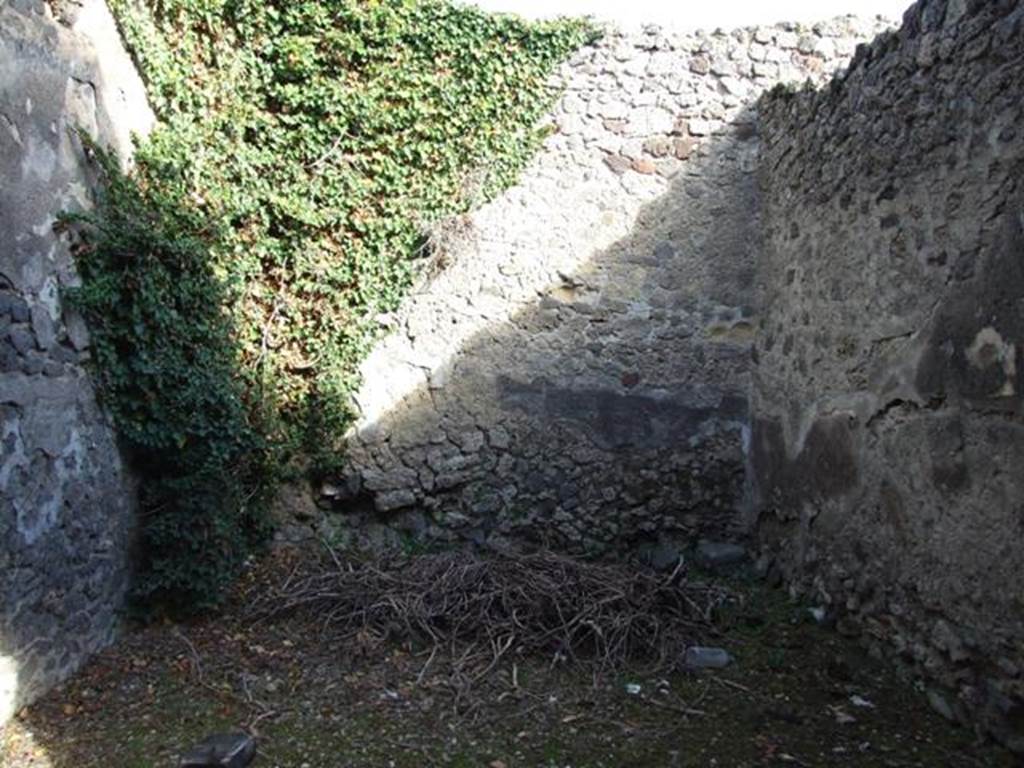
487, 607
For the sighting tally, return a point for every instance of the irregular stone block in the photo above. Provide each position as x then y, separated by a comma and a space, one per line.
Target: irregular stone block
43, 327
718, 556
223, 750
391, 500
698, 657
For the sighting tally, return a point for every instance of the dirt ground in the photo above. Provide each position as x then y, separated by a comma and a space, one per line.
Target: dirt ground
798, 694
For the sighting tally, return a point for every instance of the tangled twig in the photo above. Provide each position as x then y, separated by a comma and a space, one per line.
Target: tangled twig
480, 609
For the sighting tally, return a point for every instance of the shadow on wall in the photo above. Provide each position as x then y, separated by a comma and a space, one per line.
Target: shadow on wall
580, 372
609, 410
163, 363
888, 432
615, 403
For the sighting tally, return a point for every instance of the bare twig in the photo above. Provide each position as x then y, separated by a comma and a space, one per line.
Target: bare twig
731, 684
197, 666
481, 610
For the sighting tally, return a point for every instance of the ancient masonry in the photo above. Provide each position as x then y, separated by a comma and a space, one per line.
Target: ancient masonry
888, 431
66, 502
578, 374
713, 308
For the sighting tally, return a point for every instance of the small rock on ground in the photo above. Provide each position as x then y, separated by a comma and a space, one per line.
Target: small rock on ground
698, 657
222, 750
717, 556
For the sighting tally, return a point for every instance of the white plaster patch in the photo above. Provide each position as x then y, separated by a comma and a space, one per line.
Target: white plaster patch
17, 456
73, 457
8, 687
989, 348
76, 194
43, 228
127, 101
33, 523
49, 297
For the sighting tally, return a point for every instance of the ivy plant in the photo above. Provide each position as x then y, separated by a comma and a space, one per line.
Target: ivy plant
166, 365
303, 150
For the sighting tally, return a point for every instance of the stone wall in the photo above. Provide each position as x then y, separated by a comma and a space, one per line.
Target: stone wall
888, 432
65, 498
614, 347
578, 372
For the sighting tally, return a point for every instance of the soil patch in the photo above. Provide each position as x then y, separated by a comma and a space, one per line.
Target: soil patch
797, 694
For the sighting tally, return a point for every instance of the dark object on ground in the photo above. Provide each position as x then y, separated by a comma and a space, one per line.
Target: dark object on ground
222, 750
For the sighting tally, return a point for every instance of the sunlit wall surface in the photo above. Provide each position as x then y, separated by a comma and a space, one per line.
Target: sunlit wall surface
724, 13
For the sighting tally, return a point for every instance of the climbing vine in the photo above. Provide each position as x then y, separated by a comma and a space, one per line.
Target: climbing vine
304, 150
166, 364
